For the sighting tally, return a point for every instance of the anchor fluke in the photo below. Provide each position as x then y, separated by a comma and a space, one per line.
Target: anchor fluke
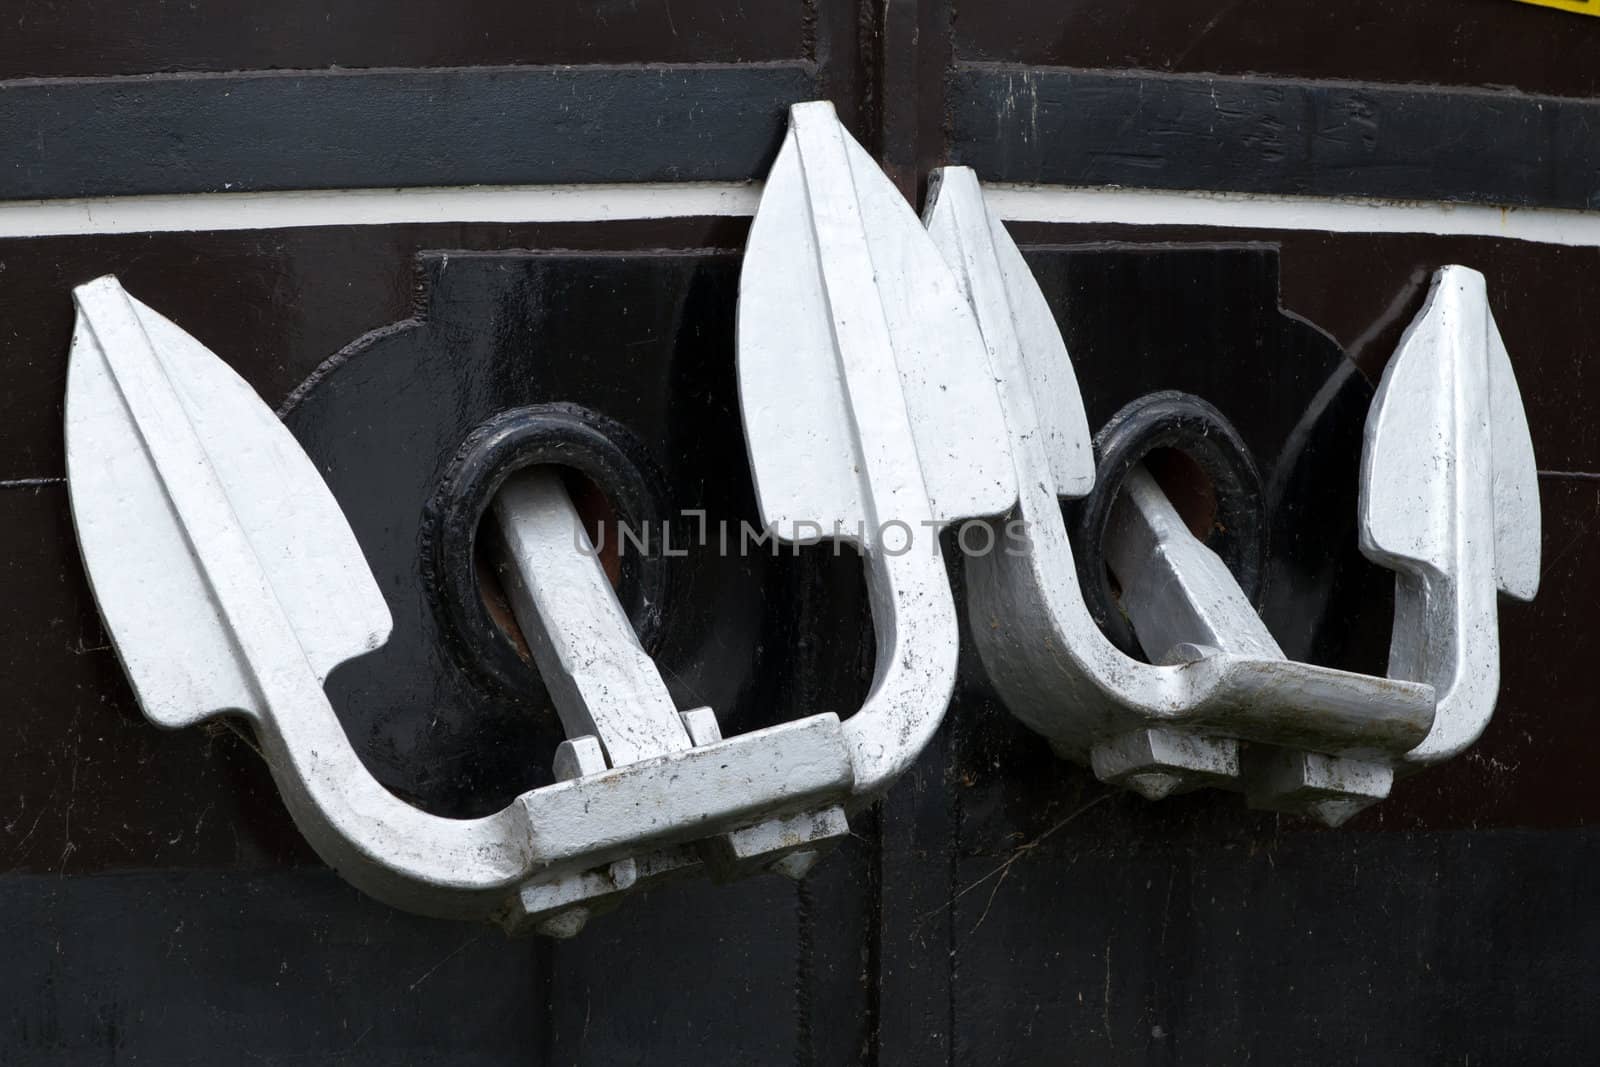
167, 450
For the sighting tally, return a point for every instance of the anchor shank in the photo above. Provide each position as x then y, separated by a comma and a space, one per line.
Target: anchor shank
1180, 597
600, 678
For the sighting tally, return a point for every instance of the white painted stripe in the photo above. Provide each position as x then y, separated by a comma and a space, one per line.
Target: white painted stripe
1155, 207
623, 201
375, 207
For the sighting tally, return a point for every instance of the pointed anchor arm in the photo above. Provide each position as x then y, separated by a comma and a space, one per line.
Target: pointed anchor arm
1450, 502
868, 414
124, 403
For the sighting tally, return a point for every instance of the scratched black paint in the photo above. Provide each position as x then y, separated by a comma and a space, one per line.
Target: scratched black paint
1246, 135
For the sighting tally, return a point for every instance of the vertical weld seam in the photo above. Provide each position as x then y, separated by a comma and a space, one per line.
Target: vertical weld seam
805, 972
874, 961
866, 651
808, 591
545, 975
952, 876
869, 38
808, 31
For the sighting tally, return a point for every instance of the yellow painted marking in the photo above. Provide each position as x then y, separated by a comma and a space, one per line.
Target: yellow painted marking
1577, 7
